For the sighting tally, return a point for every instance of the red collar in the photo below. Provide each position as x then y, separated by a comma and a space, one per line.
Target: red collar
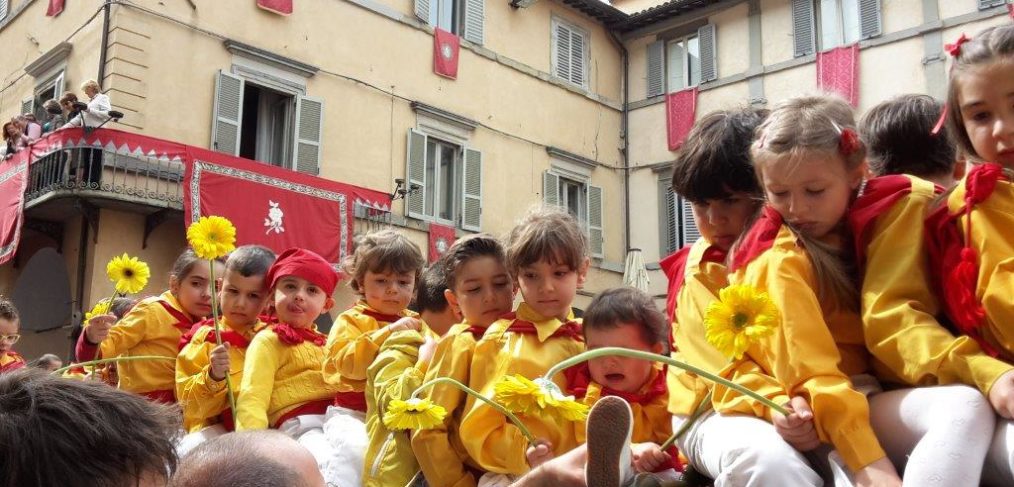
579, 378
294, 336
17, 363
570, 329
377, 315
230, 336
759, 238
476, 331
879, 196
183, 321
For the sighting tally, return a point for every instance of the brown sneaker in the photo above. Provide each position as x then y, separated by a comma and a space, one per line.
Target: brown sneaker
610, 424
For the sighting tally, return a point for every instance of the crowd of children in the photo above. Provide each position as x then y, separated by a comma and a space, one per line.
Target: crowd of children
885, 247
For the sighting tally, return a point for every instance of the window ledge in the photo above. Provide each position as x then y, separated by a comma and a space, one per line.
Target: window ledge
281, 62
445, 116
571, 157
49, 60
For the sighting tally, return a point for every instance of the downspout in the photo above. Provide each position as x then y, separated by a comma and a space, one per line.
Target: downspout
624, 149
104, 48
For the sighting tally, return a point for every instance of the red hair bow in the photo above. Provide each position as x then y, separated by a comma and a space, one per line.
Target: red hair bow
955, 49
849, 142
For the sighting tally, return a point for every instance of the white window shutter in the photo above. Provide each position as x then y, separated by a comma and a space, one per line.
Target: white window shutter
802, 27
985, 4
595, 236
422, 10
870, 24
309, 127
227, 114
561, 36
709, 52
474, 18
550, 189
471, 194
58, 85
577, 58
656, 69
689, 230
3, 8
27, 106
415, 173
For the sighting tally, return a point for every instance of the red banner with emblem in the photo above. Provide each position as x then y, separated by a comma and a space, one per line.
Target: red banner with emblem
446, 47
441, 239
281, 7
13, 180
55, 7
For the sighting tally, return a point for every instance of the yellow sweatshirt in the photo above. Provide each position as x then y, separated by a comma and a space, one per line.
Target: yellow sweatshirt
353, 344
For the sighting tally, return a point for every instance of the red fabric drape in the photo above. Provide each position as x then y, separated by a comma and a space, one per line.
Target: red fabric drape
281, 7
446, 47
13, 180
441, 239
680, 109
838, 72
55, 7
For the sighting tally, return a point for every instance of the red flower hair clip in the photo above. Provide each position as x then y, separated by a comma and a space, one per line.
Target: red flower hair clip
849, 142
955, 49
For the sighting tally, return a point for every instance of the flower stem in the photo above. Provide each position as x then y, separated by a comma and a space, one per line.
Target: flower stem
472, 392
218, 335
654, 357
108, 360
703, 407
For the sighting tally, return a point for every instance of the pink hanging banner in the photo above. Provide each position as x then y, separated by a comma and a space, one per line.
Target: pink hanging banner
838, 72
55, 7
13, 178
680, 109
280, 7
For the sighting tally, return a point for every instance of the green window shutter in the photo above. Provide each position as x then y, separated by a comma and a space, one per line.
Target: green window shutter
668, 228
415, 173
3, 8
596, 238
656, 69
688, 227
578, 44
550, 189
870, 22
227, 114
309, 125
422, 10
474, 18
561, 54
471, 194
57, 86
709, 52
802, 27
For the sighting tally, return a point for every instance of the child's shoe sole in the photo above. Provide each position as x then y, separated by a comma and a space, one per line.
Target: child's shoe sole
610, 424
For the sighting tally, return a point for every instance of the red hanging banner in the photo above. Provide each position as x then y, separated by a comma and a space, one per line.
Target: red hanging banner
441, 239
446, 47
280, 7
13, 180
55, 7
838, 72
680, 109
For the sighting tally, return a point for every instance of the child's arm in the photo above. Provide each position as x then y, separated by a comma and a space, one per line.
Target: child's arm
353, 344
394, 373
439, 461
124, 335
200, 396
262, 360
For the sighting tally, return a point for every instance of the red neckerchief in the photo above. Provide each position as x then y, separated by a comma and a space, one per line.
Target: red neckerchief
294, 336
675, 266
579, 378
476, 331
183, 321
879, 196
570, 329
230, 336
953, 261
759, 238
377, 315
17, 363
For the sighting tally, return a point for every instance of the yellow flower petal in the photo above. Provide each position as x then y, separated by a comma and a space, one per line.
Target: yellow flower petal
413, 414
100, 308
212, 237
540, 397
741, 316
129, 274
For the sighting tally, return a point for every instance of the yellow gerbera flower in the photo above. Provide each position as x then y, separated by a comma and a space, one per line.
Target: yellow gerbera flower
212, 237
129, 274
413, 414
541, 397
100, 308
740, 317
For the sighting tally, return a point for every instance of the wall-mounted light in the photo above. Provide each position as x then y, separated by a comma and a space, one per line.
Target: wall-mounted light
401, 190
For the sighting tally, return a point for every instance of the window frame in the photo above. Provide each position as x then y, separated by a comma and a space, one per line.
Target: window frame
555, 23
434, 188
843, 37
684, 41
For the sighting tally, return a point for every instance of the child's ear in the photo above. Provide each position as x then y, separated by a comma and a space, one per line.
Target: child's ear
328, 304
452, 299
174, 285
582, 272
658, 347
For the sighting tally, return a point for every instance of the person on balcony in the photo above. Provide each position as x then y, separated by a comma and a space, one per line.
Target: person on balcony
29, 126
97, 110
56, 118
14, 138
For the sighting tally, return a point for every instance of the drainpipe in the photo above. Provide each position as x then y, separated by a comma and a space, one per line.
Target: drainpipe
624, 127
82, 262
104, 48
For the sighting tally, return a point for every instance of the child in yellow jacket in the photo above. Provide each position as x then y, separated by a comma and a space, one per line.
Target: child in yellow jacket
153, 327
547, 255
480, 286
10, 328
202, 365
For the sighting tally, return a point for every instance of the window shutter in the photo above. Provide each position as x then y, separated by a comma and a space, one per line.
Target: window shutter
57, 85
471, 195
595, 236
802, 27
690, 233
228, 113
422, 10
869, 19
668, 239
3, 8
550, 188
27, 106
474, 18
983, 4
561, 35
709, 60
577, 64
656, 69
309, 124
415, 173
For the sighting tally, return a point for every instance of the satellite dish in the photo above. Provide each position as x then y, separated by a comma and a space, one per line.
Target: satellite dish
42, 292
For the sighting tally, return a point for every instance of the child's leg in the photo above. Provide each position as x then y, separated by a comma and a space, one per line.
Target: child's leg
745, 451
334, 464
938, 435
345, 433
999, 468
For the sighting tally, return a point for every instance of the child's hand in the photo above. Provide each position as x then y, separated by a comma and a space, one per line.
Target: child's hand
880, 473
406, 323
797, 428
647, 457
541, 451
1001, 395
219, 362
426, 350
98, 327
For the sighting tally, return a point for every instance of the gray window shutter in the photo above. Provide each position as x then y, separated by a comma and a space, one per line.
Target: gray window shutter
656, 69
309, 124
551, 188
577, 58
802, 27
228, 113
595, 235
561, 36
422, 10
27, 106
3, 8
870, 24
415, 172
690, 233
668, 228
57, 86
474, 18
709, 52
471, 195
983, 4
